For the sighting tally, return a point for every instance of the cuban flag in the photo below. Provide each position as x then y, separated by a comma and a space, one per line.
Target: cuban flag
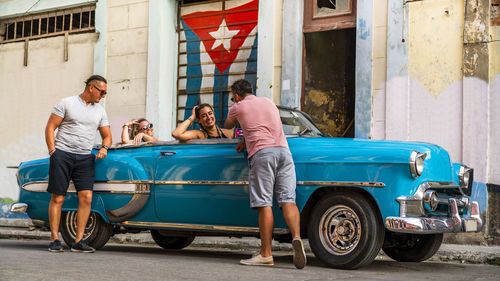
218, 45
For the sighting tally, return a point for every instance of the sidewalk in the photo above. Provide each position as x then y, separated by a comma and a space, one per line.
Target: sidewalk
447, 252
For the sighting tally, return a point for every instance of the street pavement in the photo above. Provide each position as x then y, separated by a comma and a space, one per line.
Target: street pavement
12, 229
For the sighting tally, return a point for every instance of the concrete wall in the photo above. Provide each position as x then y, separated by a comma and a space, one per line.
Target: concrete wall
494, 96
29, 93
291, 87
127, 57
161, 97
441, 87
364, 68
379, 74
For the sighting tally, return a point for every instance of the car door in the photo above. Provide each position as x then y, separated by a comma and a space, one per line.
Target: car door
203, 182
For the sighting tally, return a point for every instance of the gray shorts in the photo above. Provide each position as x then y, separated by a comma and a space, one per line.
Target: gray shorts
271, 170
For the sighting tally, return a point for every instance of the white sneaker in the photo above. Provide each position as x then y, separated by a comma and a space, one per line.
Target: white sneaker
299, 255
258, 260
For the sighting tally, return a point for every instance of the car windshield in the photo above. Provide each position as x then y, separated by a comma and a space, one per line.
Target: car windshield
297, 123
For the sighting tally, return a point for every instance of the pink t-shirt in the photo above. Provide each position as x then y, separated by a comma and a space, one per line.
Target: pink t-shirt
260, 120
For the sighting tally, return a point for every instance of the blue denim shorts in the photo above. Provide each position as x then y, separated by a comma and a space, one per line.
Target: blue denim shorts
271, 171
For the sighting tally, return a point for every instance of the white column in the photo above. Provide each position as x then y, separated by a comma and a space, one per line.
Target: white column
162, 67
269, 50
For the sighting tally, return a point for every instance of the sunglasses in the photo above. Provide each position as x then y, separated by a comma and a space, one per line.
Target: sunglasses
145, 127
102, 92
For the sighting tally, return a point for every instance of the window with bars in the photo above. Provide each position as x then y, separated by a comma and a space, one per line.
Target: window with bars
323, 15
74, 20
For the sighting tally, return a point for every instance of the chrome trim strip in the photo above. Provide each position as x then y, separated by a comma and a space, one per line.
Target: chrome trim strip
425, 225
435, 184
342, 183
322, 183
202, 182
204, 227
193, 182
413, 205
19, 208
133, 207
127, 187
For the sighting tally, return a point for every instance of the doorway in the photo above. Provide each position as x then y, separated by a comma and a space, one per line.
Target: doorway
329, 80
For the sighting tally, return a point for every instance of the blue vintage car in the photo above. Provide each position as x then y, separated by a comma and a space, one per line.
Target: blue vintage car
355, 196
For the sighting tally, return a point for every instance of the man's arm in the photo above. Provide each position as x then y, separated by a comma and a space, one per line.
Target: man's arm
52, 124
106, 141
230, 123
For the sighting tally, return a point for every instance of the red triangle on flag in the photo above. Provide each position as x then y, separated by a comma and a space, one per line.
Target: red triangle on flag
224, 32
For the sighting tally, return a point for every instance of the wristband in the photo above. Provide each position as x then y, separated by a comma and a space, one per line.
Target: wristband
51, 151
105, 146
189, 118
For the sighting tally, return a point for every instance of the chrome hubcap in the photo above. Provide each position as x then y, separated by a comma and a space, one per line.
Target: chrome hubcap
339, 230
71, 224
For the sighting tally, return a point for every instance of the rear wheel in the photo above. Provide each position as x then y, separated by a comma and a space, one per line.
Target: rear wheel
171, 242
345, 230
414, 248
97, 231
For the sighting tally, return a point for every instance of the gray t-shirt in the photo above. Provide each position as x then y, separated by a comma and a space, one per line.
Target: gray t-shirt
78, 130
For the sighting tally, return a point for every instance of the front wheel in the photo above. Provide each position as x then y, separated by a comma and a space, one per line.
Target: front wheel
414, 248
97, 231
345, 230
171, 242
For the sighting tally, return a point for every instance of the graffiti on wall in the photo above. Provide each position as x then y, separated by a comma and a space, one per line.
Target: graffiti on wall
218, 45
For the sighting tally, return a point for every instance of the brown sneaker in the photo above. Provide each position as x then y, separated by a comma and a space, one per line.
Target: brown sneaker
299, 255
258, 260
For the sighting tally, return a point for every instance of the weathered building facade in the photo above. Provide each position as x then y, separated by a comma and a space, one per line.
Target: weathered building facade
419, 70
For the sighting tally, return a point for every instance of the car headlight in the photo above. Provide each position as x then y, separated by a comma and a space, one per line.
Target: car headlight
417, 163
465, 176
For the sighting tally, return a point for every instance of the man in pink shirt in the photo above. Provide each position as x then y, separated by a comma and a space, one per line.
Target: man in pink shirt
271, 169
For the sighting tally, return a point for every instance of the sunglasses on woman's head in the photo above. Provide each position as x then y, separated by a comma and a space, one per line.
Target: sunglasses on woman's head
145, 127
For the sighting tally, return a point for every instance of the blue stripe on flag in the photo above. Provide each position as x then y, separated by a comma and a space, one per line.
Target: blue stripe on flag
220, 98
193, 84
251, 72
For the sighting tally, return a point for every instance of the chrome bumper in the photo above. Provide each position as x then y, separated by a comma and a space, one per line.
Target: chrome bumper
19, 208
427, 225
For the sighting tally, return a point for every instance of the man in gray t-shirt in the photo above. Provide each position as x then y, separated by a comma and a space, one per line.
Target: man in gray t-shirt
77, 118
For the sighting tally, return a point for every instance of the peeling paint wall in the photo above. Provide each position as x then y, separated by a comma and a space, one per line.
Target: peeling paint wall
364, 68
27, 103
29, 93
443, 83
435, 44
127, 57
494, 83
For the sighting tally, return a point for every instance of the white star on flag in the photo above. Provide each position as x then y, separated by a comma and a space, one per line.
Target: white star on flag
223, 36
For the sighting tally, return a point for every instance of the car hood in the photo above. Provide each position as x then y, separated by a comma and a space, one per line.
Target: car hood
346, 150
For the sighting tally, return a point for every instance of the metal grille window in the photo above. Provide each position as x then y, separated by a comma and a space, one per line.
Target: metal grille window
81, 19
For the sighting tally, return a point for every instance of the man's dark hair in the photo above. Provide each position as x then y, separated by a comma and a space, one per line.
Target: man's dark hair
141, 119
242, 88
95, 77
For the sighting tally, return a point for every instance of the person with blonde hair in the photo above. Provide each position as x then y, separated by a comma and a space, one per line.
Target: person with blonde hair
143, 133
